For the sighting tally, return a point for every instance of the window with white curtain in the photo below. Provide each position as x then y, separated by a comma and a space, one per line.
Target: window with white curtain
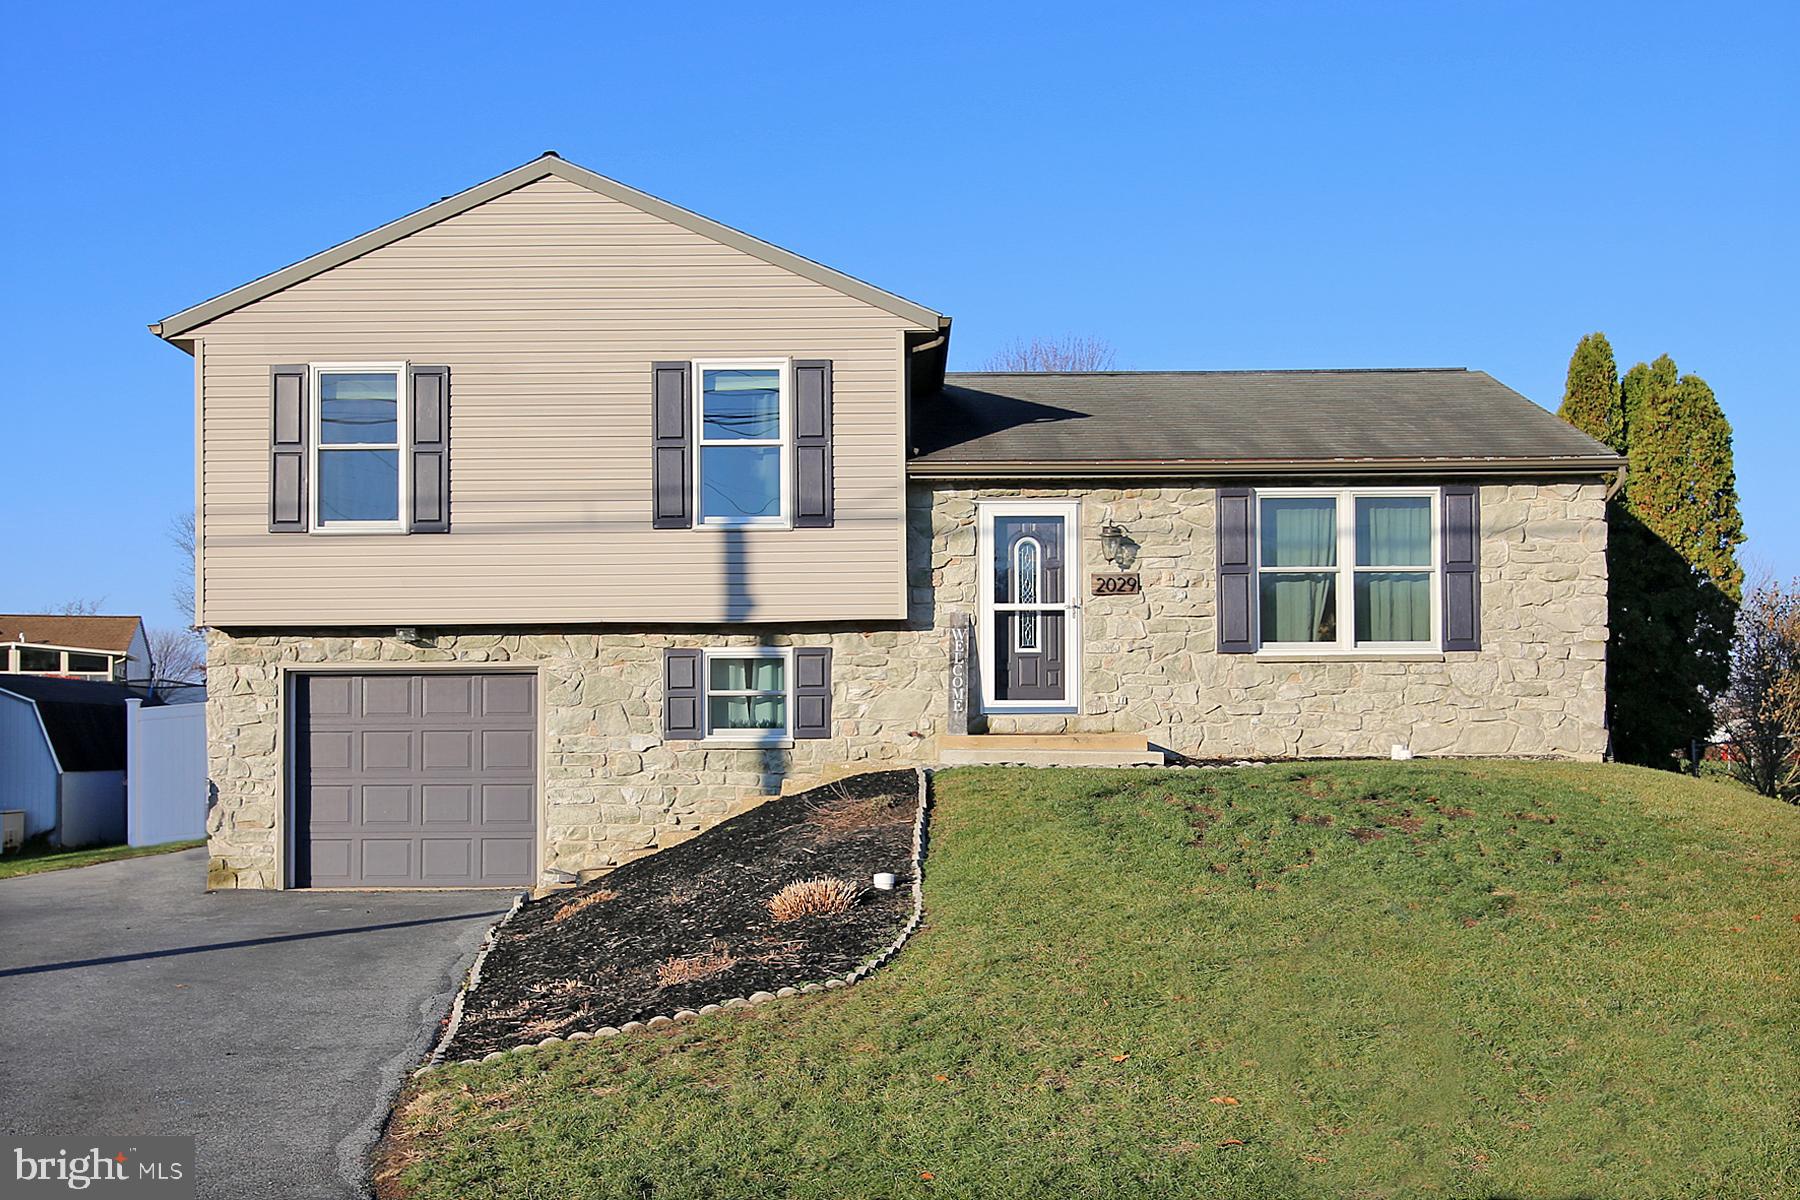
747, 695
1347, 568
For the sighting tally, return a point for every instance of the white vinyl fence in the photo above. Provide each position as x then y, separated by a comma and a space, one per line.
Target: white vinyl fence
165, 772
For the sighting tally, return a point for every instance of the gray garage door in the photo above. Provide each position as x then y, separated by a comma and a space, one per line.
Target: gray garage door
423, 780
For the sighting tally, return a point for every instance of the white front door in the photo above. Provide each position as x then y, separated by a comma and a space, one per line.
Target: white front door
1028, 634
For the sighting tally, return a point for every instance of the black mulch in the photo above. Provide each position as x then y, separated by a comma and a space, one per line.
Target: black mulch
689, 925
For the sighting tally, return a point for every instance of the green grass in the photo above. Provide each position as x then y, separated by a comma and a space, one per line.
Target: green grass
37, 856
1506, 979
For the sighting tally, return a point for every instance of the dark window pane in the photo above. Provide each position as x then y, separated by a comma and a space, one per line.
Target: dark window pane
357, 408
39, 660
1393, 606
741, 404
1300, 607
1299, 532
359, 485
1393, 531
740, 483
89, 664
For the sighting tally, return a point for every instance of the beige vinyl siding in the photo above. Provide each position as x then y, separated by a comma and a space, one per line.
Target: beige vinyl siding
549, 304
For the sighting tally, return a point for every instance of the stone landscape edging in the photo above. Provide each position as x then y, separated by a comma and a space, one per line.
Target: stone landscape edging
439, 1055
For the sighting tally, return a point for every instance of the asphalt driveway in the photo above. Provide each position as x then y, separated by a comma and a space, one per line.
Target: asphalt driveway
274, 1027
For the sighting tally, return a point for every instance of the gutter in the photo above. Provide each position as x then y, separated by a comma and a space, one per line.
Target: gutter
1235, 467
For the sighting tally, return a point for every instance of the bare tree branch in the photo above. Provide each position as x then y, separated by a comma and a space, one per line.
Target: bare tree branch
1071, 352
178, 655
80, 606
181, 532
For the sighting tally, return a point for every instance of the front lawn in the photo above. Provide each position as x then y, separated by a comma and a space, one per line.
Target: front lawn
37, 855
1352, 979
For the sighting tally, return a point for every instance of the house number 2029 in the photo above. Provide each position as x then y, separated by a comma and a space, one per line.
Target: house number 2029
1117, 583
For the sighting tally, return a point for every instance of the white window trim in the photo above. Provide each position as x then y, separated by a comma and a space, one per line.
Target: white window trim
1070, 512
402, 432
1346, 644
785, 412
739, 737
10, 660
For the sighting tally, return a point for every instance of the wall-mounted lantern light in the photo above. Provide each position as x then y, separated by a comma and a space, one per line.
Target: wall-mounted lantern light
1117, 546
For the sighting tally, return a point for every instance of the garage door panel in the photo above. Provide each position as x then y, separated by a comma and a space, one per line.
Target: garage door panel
331, 858
329, 695
449, 695
504, 859
506, 749
388, 695
447, 750
508, 695
386, 750
331, 750
387, 860
448, 804
331, 803
446, 859
506, 804
416, 779
387, 804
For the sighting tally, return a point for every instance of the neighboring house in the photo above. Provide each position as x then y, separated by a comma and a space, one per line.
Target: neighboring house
553, 521
80, 647
62, 757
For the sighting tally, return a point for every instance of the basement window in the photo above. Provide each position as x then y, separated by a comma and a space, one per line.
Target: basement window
748, 696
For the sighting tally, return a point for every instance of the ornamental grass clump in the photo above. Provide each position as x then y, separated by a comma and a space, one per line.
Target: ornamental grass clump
812, 898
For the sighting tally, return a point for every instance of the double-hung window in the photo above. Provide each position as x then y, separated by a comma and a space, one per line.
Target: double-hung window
744, 445
1347, 569
748, 695
359, 427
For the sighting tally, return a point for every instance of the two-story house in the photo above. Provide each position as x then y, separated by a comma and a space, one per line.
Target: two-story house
552, 522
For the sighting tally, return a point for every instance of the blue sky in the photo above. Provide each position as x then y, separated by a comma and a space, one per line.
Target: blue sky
1205, 186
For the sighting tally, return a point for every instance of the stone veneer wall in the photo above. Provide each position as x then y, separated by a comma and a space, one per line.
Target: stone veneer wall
614, 789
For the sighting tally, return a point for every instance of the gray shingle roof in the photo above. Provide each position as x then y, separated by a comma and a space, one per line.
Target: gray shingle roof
1196, 419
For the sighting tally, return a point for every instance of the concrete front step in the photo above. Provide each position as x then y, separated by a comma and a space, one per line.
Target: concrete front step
1050, 750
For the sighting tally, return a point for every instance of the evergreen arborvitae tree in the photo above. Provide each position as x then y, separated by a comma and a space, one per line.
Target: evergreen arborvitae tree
1591, 399
1681, 481
1672, 555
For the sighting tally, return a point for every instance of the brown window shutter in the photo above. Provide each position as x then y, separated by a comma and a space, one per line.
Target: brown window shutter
429, 389
1236, 571
288, 419
813, 503
671, 445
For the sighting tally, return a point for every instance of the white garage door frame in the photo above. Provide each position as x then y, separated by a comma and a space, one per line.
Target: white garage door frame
286, 835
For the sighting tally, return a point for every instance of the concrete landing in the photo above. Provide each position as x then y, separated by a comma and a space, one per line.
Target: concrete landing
1050, 750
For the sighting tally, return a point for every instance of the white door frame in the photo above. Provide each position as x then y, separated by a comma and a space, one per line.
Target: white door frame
1073, 574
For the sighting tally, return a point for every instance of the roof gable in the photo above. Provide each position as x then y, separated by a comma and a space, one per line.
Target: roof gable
174, 326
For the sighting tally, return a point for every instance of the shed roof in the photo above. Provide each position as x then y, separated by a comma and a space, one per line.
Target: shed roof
1149, 422
80, 633
85, 720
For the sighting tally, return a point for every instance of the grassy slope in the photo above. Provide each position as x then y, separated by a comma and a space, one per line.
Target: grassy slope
41, 857
1482, 1005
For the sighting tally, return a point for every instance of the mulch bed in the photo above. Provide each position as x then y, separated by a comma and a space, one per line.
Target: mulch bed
690, 925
